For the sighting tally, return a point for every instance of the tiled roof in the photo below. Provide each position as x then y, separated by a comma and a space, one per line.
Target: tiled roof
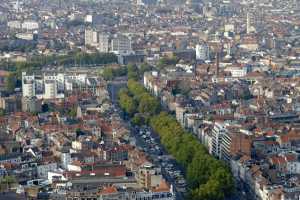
108, 190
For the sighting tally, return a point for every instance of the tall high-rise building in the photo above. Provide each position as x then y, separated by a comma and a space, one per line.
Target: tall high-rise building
221, 141
98, 40
50, 89
28, 85
91, 37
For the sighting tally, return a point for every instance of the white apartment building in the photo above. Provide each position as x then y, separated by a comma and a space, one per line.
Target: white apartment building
52, 86
236, 72
25, 36
98, 40
103, 42
28, 85
50, 89
14, 24
30, 25
221, 141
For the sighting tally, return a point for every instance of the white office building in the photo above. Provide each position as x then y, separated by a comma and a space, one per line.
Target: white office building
91, 37
202, 52
89, 18
121, 44
98, 40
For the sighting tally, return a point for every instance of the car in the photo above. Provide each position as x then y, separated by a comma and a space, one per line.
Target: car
181, 182
167, 168
170, 165
178, 172
170, 170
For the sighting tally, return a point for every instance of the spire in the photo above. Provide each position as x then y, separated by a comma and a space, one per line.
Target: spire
248, 23
18, 6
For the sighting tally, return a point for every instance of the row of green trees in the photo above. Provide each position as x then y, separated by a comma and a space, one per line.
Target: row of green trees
6, 182
167, 61
38, 62
109, 73
132, 71
208, 178
75, 58
71, 59
138, 103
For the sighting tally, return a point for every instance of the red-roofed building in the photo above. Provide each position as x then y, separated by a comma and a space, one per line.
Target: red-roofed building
108, 190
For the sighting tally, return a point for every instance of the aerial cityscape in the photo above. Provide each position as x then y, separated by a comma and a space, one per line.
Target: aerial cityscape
150, 99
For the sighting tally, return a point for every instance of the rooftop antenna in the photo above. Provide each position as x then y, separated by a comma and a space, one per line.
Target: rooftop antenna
218, 63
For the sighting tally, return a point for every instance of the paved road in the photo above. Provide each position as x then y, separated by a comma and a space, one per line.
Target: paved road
11, 196
142, 144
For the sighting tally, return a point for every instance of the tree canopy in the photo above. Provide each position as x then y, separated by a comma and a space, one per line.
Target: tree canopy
10, 83
126, 102
165, 61
208, 178
71, 59
133, 71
